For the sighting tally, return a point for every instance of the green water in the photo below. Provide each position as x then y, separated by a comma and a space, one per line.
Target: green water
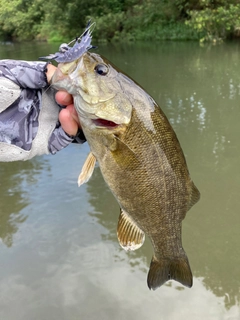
59, 255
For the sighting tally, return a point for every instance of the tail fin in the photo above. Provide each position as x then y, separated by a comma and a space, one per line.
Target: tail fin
166, 269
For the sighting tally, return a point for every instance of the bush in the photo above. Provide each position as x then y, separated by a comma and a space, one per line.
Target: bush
216, 24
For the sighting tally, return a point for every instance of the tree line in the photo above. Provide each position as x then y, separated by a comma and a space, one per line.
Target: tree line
122, 20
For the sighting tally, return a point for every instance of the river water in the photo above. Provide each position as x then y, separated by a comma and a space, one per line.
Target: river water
59, 254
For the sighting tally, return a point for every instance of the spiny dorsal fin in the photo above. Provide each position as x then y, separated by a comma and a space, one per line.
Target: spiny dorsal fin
87, 169
130, 236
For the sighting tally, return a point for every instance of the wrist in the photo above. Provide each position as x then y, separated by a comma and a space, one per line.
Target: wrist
79, 137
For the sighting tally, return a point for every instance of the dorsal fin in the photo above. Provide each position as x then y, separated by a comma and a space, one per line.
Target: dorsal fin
130, 236
194, 197
87, 169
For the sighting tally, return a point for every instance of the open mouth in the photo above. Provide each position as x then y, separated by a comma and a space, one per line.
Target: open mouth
105, 123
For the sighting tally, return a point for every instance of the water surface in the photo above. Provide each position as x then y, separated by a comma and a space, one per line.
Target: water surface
59, 255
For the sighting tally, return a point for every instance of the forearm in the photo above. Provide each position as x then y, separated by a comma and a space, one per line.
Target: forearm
26, 74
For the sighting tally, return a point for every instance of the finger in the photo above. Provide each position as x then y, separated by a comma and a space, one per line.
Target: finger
64, 98
73, 113
68, 122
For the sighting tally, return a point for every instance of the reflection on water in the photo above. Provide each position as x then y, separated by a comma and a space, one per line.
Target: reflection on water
15, 180
60, 258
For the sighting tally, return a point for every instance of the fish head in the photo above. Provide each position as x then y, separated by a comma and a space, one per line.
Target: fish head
97, 91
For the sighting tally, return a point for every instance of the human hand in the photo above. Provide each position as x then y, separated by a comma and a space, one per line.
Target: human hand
68, 117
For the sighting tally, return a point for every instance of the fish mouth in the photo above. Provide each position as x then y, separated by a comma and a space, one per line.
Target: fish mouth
99, 122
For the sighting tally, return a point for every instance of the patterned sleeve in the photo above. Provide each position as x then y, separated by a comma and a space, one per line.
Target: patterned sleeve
60, 139
27, 74
19, 121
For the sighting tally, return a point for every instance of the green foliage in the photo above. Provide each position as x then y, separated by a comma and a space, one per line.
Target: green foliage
217, 22
20, 18
120, 20
145, 20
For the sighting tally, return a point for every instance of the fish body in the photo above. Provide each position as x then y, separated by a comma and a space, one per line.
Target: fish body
140, 159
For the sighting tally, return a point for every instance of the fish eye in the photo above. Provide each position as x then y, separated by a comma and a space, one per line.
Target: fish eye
101, 69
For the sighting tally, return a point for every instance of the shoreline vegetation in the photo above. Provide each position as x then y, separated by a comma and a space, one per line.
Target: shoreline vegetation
120, 20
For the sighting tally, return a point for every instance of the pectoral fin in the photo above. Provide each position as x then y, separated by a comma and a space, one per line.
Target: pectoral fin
87, 169
130, 236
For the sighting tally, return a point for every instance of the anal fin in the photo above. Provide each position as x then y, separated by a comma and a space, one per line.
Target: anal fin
87, 169
130, 236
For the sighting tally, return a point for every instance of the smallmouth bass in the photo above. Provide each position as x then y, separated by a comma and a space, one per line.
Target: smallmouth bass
140, 159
